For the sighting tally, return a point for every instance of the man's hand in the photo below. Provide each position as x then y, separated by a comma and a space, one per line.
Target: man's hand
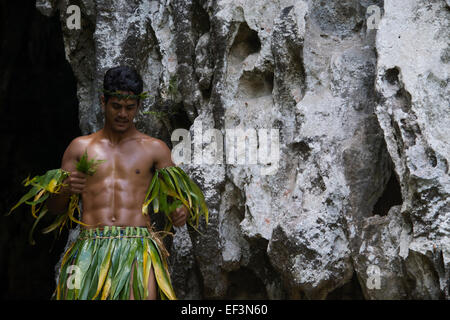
76, 182
179, 216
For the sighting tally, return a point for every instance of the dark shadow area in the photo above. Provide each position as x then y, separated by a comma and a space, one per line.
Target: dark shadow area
349, 291
246, 42
200, 19
255, 84
39, 118
391, 76
244, 284
392, 196
179, 118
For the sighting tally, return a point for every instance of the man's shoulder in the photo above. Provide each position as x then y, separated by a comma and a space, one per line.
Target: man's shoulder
79, 144
159, 151
76, 148
152, 141
82, 140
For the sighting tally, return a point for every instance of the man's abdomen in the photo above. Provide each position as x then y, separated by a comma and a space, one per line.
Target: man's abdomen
114, 207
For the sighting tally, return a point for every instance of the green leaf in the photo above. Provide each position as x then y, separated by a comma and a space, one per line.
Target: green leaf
104, 264
40, 200
174, 184
126, 271
58, 221
175, 180
136, 292
161, 275
117, 286
184, 186
152, 184
140, 268
146, 265
30, 194
166, 178
178, 181
41, 215
156, 205
155, 191
163, 203
41, 188
86, 166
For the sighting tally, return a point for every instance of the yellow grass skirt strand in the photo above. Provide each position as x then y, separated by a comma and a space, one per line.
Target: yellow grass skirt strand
98, 265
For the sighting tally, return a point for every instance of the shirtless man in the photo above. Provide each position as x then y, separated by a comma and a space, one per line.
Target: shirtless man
114, 195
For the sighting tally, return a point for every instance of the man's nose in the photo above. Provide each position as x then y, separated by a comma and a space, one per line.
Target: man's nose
122, 112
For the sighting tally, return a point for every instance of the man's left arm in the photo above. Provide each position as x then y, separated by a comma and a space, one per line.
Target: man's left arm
163, 159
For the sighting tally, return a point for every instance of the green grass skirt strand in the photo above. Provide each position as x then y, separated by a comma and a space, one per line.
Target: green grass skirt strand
99, 263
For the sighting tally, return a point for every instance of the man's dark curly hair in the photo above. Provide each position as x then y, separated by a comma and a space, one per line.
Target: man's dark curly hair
122, 78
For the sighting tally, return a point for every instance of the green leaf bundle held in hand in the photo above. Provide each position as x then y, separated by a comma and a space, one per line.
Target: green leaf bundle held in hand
88, 166
52, 183
172, 183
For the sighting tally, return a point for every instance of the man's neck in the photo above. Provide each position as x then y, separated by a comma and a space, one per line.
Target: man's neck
116, 137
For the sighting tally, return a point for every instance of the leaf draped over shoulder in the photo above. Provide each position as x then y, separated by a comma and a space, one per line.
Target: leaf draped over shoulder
172, 182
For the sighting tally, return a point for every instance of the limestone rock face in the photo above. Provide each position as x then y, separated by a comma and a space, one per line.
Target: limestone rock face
413, 111
353, 96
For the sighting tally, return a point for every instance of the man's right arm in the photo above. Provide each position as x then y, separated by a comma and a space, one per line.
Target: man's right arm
57, 203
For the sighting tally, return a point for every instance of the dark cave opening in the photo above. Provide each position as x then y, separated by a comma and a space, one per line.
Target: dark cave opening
179, 117
349, 291
392, 196
391, 75
244, 284
39, 112
246, 42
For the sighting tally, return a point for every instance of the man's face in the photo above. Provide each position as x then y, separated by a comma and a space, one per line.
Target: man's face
119, 113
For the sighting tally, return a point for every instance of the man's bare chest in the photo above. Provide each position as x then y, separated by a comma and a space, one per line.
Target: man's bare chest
128, 161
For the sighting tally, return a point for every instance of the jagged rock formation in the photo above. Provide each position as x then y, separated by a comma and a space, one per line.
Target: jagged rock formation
358, 94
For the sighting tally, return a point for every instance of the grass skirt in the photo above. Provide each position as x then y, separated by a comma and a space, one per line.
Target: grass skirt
99, 263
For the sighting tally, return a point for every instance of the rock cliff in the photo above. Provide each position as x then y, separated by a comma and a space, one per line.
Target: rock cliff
355, 92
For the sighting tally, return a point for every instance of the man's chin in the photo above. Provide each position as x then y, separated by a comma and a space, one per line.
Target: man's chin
121, 128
